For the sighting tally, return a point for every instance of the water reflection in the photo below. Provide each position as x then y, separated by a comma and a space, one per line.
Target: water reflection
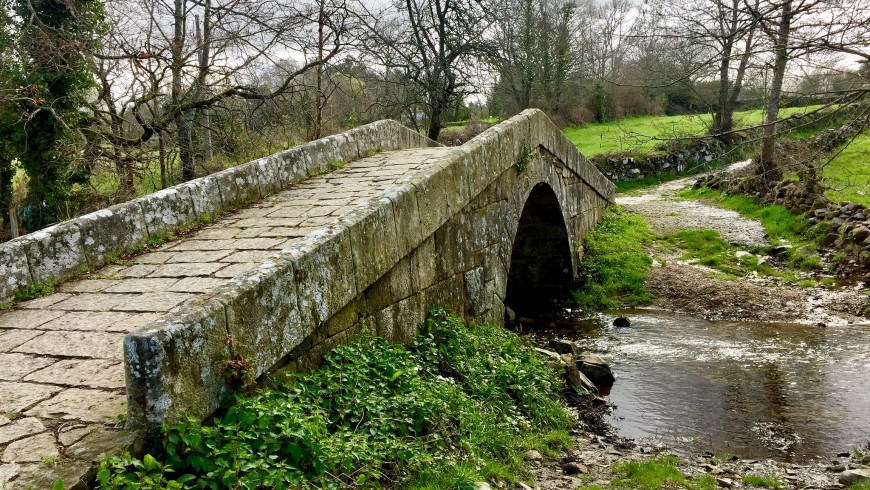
787, 392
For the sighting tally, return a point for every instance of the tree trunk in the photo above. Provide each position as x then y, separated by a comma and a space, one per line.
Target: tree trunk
182, 124
161, 156
767, 165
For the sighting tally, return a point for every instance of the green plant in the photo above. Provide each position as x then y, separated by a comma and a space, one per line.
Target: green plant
615, 263
655, 474
765, 481
337, 164
35, 290
524, 159
435, 415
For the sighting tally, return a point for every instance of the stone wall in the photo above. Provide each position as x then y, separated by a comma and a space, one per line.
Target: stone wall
443, 236
697, 156
70, 248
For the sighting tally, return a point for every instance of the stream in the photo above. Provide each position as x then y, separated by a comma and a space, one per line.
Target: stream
792, 393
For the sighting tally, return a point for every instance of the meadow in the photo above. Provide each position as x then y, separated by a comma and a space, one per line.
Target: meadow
848, 174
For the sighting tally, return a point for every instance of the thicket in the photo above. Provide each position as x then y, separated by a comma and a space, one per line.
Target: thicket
460, 405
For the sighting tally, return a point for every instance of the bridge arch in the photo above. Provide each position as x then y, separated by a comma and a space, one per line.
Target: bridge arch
541, 267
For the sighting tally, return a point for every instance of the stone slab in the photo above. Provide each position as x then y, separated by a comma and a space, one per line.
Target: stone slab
91, 373
10, 339
13, 367
82, 404
17, 397
87, 320
94, 345
20, 429
25, 319
14, 269
33, 449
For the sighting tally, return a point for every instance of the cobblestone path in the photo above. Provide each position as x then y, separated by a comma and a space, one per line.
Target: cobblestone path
62, 389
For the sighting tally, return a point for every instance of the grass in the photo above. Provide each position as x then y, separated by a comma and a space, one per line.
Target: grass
377, 414
656, 474
861, 486
643, 134
848, 174
763, 481
615, 265
707, 248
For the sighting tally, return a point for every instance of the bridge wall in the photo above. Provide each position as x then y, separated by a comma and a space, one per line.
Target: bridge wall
443, 236
70, 248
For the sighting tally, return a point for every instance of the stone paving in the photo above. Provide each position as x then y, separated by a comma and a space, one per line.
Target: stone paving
62, 387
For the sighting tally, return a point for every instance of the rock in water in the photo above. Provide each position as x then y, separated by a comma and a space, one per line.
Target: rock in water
562, 346
621, 322
851, 477
596, 370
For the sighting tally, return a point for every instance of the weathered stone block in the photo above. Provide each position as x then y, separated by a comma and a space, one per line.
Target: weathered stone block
423, 268
239, 185
407, 315
347, 317
374, 240
55, 253
174, 367
263, 315
166, 210
449, 294
205, 194
408, 218
268, 176
432, 196
476, 300
325, 275
115, 229
14, 270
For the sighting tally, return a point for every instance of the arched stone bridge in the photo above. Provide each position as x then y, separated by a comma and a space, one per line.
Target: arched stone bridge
361, 231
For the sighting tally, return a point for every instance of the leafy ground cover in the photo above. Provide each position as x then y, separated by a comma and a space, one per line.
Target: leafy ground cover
461, 405
615, 263
644, 133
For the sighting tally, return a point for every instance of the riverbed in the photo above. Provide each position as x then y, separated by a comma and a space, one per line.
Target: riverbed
792, 393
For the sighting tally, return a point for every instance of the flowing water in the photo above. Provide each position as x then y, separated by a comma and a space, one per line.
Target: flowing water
787, 392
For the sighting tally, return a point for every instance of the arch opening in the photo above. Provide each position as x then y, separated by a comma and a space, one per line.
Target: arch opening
540, 275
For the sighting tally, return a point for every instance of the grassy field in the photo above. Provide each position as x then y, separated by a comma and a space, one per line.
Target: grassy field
848, 174
645, 132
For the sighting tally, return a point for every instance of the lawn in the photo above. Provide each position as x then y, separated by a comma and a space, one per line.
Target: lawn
645, 132
848, 174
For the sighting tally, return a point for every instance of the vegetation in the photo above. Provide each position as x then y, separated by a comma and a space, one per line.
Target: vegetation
460, 405
643, 134
778, 221
656, 474
615, 264
848, 174
764, 481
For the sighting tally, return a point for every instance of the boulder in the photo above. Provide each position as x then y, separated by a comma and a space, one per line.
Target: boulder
853, 476
596, 370
576, 381
621, 322
562, 346
860, 233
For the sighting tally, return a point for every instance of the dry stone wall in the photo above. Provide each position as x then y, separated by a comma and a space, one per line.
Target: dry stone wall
70, 248
441, 236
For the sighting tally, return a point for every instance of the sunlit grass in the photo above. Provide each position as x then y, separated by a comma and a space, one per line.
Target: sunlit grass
642, 134
848, 175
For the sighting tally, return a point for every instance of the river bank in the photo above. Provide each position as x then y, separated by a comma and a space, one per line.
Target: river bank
766, 336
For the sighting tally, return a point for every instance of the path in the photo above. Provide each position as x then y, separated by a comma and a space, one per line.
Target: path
696, 290
666, 213
62, 386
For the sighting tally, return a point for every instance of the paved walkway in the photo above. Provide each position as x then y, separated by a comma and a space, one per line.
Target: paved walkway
62, 396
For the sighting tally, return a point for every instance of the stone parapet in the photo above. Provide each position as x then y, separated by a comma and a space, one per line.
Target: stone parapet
70, 248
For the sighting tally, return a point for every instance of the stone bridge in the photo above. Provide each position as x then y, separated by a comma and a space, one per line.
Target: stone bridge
273, 263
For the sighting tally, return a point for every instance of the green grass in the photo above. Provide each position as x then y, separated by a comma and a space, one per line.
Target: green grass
763, 481
655, 474
848, 175
434, 415
615, 265
707, 248
643, 134
861, 486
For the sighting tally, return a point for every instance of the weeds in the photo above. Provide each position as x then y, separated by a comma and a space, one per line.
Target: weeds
655, 474
34, 291
615, 263
764, 481
460, 405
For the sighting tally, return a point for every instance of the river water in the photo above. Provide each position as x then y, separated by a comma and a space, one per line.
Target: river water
788, 392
